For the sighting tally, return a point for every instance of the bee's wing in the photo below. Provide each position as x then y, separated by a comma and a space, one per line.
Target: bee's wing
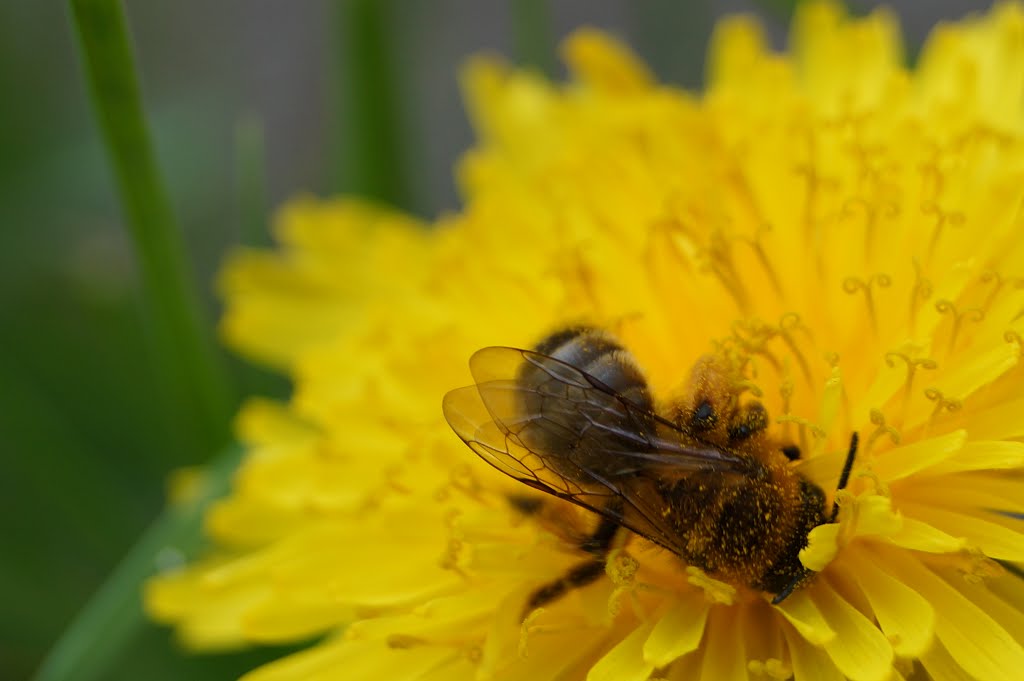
568, 434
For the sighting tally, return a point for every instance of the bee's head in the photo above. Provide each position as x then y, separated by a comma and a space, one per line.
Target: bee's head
710, 405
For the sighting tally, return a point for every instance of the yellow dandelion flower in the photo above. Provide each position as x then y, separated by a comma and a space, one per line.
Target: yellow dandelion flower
843, 232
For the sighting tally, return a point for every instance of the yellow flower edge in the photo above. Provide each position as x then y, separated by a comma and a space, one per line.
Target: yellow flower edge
850, 226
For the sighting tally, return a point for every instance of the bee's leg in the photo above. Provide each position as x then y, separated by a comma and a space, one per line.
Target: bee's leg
844, 477
598, 544
797, 581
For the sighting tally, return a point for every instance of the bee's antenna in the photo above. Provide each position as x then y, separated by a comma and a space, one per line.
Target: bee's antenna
844, 477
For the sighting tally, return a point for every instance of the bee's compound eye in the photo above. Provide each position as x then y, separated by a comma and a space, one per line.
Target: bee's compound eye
750, 419
704, 416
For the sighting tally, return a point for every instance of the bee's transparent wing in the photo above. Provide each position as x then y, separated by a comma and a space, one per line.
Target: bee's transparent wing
562, 431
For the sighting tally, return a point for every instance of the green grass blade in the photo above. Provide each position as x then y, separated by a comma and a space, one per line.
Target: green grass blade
181, 337
532, 35
113, 618
371, 158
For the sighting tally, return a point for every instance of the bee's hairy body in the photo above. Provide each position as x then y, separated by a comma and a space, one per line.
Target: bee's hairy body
698, 474
748, 531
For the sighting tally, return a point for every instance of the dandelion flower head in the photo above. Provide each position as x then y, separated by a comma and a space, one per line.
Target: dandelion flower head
849, 227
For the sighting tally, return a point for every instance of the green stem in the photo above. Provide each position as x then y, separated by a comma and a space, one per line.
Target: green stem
370, 141
194, 367
113, 617
531, 29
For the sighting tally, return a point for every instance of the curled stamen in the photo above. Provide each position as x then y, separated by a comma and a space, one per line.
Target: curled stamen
942, 402
943, 219
527, 628
853, 285
577, 276
932, 177
752, 337
453, 558
872, 213
912, 365
462, 479
788, 323
762, 257
979, 567
878, 486
878, 419
997, 281
720, 261
746, 385
973, 314
805, 425
786, 389
920, 292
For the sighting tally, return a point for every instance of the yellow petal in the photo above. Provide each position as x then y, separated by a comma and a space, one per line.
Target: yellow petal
941, 666
821, 547
625, 662
906, 617
967, 493
920, 536
354, 660
803, 613
810, 663
984, 455
992, 537
677, 632
725, 655
1000, 421
602, 62
973, 639
906, 460
737, 44
859, 649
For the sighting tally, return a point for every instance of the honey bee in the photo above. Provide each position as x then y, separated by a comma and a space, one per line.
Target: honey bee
702, 478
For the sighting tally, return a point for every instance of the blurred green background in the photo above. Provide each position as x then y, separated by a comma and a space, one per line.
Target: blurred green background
248, 103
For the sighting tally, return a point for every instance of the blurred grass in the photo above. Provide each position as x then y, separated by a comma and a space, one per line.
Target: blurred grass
113, 621
533, 36
179, 331
89, 434
370, 152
